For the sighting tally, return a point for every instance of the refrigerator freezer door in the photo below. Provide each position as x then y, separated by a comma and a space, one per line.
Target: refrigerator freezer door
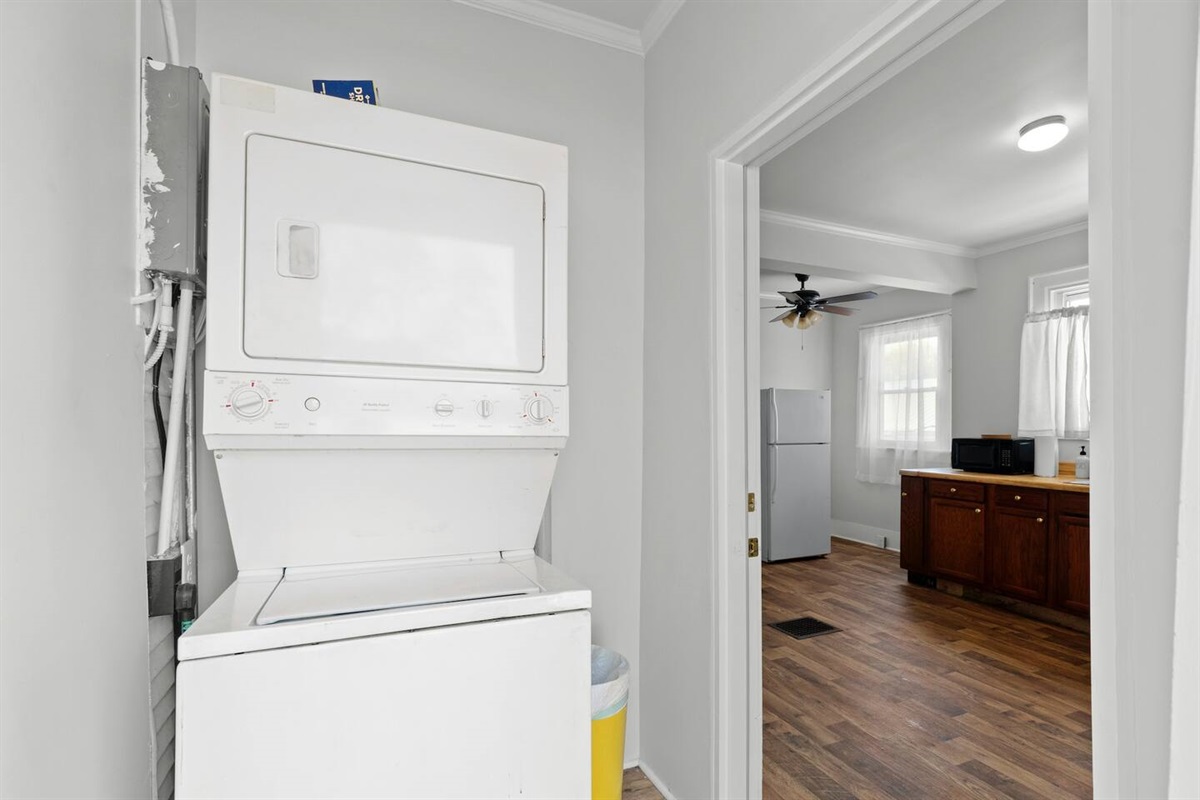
796, 417
798, 520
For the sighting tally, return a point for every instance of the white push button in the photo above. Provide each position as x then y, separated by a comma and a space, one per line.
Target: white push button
312, 404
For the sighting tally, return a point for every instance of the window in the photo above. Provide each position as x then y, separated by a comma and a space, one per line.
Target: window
903, 397
1055, 357
1068, 288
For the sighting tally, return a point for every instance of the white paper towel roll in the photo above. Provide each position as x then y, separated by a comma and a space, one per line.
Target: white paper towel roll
1045, 456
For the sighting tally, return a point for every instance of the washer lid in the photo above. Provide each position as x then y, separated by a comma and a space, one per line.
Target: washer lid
310, 594
231, 624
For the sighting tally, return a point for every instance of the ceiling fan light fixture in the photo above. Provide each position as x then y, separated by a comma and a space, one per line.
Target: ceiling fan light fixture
809, 319
790, 319
1042, 134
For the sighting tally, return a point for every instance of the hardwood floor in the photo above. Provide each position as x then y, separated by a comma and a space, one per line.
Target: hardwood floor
921, 694
638, 787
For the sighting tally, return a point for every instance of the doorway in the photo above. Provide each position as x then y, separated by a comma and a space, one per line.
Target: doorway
842, 81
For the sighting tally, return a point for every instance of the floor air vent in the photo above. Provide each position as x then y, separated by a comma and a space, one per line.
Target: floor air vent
804, 627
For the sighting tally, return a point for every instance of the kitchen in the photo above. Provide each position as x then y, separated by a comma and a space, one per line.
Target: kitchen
913, 306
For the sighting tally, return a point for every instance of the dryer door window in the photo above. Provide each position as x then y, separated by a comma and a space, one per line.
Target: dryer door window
359, 258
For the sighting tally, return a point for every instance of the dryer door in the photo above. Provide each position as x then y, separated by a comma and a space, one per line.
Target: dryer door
360, 258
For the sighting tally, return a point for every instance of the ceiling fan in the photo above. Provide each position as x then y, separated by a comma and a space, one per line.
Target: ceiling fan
804, 307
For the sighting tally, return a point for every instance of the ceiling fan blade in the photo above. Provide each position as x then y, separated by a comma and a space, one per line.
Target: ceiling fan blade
793, 297
844, 312
849, 298
784, 314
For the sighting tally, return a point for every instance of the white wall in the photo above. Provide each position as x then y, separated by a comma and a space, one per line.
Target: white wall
74, 687
1142, 66
986, 338
715, 66
792, 359
451, 61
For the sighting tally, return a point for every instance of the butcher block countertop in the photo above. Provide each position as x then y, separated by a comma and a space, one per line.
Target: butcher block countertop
1063, 483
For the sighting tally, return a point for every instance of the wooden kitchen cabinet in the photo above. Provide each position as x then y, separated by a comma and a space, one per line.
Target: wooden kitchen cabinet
1071, 556
1018, 550
912, 523
1014, 535
954, 546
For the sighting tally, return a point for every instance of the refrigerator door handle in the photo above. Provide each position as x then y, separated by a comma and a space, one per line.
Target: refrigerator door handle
774, 423
774, 469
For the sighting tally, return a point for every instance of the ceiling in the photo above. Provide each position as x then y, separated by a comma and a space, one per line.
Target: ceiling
931, 154
626, 13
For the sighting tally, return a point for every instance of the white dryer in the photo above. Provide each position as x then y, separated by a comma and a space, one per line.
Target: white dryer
386, 396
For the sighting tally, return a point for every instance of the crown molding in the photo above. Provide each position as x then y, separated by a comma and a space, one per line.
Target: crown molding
880, 237
658, 21
1020, 241
584, 26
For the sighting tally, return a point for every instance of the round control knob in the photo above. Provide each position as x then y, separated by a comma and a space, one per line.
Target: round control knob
443, 408
249, 402
485, 408
312, 404
539, 409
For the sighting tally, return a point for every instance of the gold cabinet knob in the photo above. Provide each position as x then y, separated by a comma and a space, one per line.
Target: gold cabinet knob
904, 494
1016, 497
953, 489
979, 511
1041, 520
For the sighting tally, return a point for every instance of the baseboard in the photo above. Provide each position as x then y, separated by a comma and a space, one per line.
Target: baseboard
630, 764
648, 771
866, 534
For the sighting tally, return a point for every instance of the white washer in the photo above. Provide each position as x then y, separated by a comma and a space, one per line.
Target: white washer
440, 697
385, 393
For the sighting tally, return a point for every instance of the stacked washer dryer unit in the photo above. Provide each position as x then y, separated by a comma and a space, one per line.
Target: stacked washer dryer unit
385, 392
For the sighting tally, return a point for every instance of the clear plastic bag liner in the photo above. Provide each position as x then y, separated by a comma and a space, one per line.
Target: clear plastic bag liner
610, 682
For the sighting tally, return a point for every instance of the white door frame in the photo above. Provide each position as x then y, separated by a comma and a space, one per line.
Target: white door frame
906, 31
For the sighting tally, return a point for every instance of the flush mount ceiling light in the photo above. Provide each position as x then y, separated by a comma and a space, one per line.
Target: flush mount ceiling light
1042, 134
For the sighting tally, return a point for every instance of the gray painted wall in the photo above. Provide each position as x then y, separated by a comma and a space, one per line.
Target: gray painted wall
714, 67
986, 340
454, 62
792, 359
74, 688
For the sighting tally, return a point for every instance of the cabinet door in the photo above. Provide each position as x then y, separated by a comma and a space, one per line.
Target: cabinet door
912, 522
1072, 570
955, 540
1018, 545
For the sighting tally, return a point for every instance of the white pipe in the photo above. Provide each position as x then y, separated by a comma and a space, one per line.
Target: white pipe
153, 331
171, 30
190, 447
175, 423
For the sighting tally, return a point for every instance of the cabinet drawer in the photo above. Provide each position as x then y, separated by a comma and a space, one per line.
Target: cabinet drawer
1074, 503
1018, 497
957, 490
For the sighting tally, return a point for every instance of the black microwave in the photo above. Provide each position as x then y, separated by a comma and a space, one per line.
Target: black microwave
1008, 456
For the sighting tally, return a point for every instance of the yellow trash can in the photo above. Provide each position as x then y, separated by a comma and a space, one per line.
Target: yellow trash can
610, 699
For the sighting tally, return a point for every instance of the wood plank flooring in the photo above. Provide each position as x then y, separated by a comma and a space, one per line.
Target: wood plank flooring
921, 694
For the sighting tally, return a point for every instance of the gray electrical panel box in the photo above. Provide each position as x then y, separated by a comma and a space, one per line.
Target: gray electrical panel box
174, 171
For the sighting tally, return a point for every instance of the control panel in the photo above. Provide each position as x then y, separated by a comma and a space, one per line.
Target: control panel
337, 406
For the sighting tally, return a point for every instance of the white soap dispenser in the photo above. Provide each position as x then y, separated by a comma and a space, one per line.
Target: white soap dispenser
1083, 464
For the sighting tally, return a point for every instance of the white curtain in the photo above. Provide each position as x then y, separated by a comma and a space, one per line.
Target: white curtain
1055, 398
903, 397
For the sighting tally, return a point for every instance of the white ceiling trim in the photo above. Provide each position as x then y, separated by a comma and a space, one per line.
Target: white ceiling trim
1021, 241
882, 237
821, 226
585, 26
658, 21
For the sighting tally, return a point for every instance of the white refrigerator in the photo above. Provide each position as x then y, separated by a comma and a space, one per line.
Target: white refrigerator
797, 519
